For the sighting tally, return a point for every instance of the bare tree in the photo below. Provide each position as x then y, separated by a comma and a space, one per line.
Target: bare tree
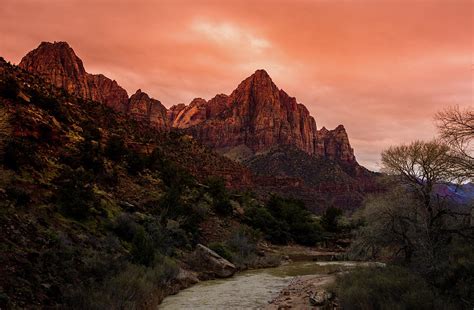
456, 128
395, 221
421, 165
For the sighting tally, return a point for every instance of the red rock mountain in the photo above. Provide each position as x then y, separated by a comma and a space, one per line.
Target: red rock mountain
58, 63
256, 117
258, 124
144, 108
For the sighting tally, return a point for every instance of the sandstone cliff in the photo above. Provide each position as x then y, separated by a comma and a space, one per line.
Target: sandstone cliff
58, 64
255, 118
144, 108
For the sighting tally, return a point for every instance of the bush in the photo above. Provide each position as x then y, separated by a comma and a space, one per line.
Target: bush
164, 271
217, 190
329, 219
221, 249
133, 288
18, 195
283, 220
125, 227
9, 88
90, 131
136, 162
90, 158
19, 153
51, 105
143, 249
384, 288
5, 128
260, 218
454, 273
223, 207
115, 148
75, 196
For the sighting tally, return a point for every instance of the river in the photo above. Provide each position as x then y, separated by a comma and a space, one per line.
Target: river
249, 289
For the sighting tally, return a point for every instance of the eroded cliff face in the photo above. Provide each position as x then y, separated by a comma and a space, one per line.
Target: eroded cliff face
258, 116
58, 64
334, 144
254, 118
144, 108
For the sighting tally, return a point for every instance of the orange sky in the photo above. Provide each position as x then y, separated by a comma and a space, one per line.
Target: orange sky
381, 68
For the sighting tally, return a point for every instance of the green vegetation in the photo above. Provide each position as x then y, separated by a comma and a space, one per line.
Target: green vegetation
75, 196
384, 288
95, 218
283, 220
220, 196
329, 220
241, 250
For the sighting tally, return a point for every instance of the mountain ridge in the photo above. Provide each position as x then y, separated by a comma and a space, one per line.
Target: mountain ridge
257, 114
252, 124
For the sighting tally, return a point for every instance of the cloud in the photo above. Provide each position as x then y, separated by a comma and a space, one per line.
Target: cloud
230, 36
381, 70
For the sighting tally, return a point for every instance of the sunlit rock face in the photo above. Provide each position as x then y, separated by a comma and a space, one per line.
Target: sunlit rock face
254, 118
58, 64
334, 144
258, 116
144, 108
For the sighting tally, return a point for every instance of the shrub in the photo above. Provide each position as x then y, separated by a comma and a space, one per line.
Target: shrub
221, 249
5, 128
75, 196
143, 249
9, 88
223, 207
329, 219
283, 220
115, 148
18, 195
384, 288
19, 153
125, 227
136, 162
164, 271
90, 158
132, 288
51, 105
90, 131
260, 218
216, 188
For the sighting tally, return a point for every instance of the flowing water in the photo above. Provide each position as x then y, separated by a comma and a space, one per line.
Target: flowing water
247, 290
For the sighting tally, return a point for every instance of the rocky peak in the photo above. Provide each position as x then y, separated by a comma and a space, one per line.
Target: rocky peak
58, 63
334, 144
144, 108
256, 116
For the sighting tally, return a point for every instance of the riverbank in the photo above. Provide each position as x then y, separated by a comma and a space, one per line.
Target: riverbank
285, 254
251, 289
305, 292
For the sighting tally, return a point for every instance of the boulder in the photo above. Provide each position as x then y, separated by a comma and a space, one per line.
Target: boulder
320, 298
210, 264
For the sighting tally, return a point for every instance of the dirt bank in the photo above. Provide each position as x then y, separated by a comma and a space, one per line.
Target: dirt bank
298, 293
